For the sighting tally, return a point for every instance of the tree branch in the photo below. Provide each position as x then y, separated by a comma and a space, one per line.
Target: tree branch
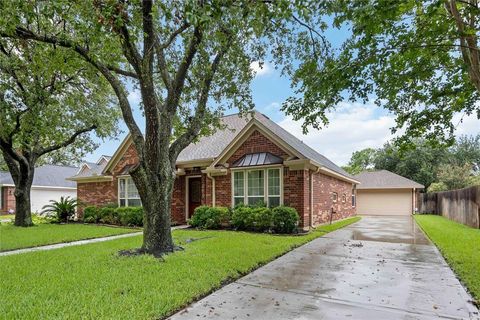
197, 122
22, 33
65, 143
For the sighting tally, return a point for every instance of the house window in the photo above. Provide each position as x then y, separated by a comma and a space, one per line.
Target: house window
273, 187
255, 187
353, 200
334, 197
238, 188
127, 193
344, 198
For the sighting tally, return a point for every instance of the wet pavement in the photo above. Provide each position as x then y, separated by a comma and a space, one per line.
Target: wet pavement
378, 268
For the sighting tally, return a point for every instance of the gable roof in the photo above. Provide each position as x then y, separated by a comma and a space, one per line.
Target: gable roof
46, 176
209, 148
384, 179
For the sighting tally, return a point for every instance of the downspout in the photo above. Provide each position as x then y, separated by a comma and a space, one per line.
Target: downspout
311, 196
213, 187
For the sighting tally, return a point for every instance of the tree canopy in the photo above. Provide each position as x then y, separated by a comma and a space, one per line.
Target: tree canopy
50, 100
418, 59
438, 168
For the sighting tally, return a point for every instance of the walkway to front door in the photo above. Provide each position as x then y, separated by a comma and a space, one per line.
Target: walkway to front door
378, 268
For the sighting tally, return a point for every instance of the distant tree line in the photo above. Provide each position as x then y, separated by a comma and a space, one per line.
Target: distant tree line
437, 168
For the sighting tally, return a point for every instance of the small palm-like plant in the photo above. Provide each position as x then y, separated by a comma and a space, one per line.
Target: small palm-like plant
62, 210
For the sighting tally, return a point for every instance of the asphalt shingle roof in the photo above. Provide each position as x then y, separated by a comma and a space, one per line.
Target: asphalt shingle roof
212, 146
384, 179
47, 175
93, 169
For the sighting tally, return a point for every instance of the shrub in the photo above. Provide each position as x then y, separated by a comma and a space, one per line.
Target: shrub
242, 218
108, 215
63, 210
206, 217
130, 216
262, 219
91, 214
285, 219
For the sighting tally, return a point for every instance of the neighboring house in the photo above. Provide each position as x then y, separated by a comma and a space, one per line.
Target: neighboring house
251, 160
49, 183
386, 193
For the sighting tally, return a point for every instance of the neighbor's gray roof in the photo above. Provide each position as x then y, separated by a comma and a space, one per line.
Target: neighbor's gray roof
93, 169
212, 146
47, 175
384, 179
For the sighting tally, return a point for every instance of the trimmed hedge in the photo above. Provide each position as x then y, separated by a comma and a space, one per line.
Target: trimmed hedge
206, 217
262, 219
124, 216
285, 219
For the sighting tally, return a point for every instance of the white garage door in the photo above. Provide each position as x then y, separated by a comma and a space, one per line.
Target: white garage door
384, 202
42, 196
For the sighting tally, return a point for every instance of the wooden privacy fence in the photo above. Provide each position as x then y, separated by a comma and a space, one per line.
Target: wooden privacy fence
462, 205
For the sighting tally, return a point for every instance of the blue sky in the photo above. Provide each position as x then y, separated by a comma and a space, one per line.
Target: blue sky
352, 127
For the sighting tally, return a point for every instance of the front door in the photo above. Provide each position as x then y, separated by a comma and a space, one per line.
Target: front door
194, 194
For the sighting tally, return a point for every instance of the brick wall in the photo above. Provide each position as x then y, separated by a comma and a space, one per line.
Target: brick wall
323, 188
8, 199
95, 194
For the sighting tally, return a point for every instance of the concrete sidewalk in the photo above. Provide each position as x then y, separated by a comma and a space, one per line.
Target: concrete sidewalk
378, 268
76, 243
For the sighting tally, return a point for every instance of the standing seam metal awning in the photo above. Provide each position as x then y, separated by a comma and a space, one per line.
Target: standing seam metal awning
257, 159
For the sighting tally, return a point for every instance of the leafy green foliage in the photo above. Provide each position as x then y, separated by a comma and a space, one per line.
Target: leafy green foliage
218, 256
458, 245
108, 215
130, 216
285, 219
453, 167
362, 160
91, 215
63, 209
405, 56
206, 217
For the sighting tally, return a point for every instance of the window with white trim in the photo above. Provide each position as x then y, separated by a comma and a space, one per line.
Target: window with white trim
334, 196
238, 188
257, 186
127, 193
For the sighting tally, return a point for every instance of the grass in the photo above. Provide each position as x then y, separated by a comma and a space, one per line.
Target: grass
7, 216
93, 282
459, 244
12, 237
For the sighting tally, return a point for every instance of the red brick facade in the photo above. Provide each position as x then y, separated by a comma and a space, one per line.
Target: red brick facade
296, 187
8, 200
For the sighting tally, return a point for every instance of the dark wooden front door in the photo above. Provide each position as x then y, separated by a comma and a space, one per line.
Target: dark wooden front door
194, 194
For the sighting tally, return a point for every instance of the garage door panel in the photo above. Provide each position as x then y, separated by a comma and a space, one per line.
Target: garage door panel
384, 202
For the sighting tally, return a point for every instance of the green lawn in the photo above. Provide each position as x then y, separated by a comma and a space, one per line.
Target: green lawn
12, 237
459, 244
7, 216
93, 282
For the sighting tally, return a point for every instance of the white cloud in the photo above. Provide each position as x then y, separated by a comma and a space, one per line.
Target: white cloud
261, 70
467, 125
355, 126
352, 127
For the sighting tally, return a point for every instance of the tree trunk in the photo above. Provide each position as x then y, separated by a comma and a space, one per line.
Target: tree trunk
156, 194
23, 213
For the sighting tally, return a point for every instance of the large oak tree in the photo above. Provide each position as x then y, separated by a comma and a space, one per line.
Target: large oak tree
189, 59
418, 59
49, 103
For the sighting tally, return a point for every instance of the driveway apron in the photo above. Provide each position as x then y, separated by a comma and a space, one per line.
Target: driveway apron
381, 267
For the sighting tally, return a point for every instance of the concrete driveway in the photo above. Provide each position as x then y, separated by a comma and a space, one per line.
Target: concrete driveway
379, 268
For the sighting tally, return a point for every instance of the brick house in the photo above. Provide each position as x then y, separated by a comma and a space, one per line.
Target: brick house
253, 159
